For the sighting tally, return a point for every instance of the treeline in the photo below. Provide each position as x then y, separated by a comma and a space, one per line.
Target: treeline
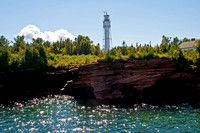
21, 55
168, 46
188, 60
38, 54
81, 45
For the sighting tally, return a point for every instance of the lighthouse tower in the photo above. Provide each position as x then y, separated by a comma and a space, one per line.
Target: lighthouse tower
107, 35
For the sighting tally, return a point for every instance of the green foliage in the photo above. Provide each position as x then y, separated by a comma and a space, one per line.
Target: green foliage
182, 63
39, 41
60, 60
82, 45
157, 49
19, 43
3, 41
39, 53
144, 52
132, 56
198, 46
21, 55
149, 55
35, 57
186, 39
114, 52
55, 48
69, 48
124, 48
131, 50
4, 53
4, 58
198, 51
198, 65
109, 57
146, 49
169, 48
97, 50
175, 54
14, 62
119, 55
164, 46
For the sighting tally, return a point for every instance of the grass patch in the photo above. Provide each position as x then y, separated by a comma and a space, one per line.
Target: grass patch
60, 60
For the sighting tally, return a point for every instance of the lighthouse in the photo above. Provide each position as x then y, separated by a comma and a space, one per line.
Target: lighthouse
107, 34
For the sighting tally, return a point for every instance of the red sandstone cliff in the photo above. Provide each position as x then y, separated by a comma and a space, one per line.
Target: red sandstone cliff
152, 80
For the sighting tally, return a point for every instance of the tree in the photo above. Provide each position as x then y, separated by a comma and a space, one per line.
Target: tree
3, 41
174, 50
19, 42
198, 47
186, 39
69, 49
86, 46
156, 49
46, 44
113, 52
4, 53
124, 48
97, 50
35, 57
55, 48
83, 45
132, 50
38, 41
165, 45
198, 51
175, 43
182, 63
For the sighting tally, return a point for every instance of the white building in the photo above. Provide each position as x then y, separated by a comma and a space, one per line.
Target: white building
188, 45
107, 35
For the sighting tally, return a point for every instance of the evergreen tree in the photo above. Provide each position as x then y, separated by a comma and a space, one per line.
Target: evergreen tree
4, 53
19, 42
124, 48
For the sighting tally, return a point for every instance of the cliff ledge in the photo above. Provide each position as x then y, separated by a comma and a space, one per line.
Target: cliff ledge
154, 81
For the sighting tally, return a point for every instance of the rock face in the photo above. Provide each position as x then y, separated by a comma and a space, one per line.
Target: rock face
136, 81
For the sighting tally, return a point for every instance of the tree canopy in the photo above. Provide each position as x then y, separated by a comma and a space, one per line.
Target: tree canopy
39, 54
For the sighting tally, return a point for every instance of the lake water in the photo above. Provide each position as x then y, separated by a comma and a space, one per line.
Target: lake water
65, 114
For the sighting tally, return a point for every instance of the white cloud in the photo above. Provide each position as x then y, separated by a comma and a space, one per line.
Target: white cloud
29, 31
32, 31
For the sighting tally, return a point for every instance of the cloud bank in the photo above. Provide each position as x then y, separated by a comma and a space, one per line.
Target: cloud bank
32, 31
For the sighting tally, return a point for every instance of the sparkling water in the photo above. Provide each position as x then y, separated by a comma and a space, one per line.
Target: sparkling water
65, 114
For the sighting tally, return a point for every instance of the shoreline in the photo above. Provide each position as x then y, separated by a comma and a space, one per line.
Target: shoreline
151, 81
118, 78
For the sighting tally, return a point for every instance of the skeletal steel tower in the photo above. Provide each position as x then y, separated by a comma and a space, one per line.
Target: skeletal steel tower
107, 34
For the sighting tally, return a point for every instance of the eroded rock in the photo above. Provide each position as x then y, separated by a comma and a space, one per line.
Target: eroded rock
145, 80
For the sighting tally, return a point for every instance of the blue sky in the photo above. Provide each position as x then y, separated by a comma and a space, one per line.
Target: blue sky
134, 21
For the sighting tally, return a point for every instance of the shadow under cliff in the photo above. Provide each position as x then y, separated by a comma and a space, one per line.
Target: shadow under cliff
173, 91
26, 85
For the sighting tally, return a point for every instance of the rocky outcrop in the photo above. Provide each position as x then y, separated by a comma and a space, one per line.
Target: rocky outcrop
135, 81
154, 81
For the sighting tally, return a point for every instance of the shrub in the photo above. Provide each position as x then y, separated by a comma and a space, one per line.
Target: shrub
148, 55
14, 62
182, 63
109, 57
132, 56
4, 58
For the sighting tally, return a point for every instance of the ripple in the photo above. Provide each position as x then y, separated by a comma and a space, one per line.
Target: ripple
65, 114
